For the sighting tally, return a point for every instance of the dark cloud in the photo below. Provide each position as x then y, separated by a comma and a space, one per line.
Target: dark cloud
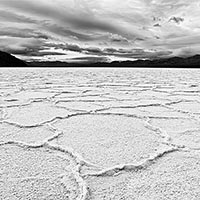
62, 31
110, 50
68, 47
13, 17
22, 33
123, 53
157, 25
44, 53
85, 22
22, 46
92, 50
177, 20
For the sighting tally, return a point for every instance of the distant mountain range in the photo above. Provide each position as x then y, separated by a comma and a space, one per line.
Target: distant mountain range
193, 61
7, 60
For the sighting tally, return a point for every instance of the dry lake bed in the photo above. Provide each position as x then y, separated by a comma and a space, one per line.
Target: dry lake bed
99, 134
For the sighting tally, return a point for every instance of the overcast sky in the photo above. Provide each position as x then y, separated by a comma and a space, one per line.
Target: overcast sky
99, 30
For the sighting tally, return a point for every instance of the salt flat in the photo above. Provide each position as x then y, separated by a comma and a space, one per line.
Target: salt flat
99, 134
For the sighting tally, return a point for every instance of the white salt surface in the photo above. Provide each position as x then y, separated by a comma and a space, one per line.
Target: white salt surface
95, 134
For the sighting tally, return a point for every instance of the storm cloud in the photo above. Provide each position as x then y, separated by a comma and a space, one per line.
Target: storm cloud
108, 29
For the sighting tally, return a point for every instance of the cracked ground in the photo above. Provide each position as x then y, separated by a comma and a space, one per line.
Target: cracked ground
92, 134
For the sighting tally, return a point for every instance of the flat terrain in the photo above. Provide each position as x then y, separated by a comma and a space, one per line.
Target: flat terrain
93, 134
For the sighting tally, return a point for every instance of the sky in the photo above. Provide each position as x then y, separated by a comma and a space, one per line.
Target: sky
99, 30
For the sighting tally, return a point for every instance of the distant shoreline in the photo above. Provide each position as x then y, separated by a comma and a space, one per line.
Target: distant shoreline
90, 67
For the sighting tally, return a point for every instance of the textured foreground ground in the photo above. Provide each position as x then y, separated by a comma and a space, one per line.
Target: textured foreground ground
99, 134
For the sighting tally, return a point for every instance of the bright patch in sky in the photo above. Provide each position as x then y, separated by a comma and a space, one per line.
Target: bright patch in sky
99, 30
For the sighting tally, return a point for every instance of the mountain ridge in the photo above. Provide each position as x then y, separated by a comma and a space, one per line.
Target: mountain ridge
8, 60
193, 61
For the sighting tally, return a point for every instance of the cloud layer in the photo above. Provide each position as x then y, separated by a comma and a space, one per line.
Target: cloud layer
103, 29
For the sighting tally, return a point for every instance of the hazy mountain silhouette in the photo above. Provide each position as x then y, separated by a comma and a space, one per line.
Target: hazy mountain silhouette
193, 61
7, 60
